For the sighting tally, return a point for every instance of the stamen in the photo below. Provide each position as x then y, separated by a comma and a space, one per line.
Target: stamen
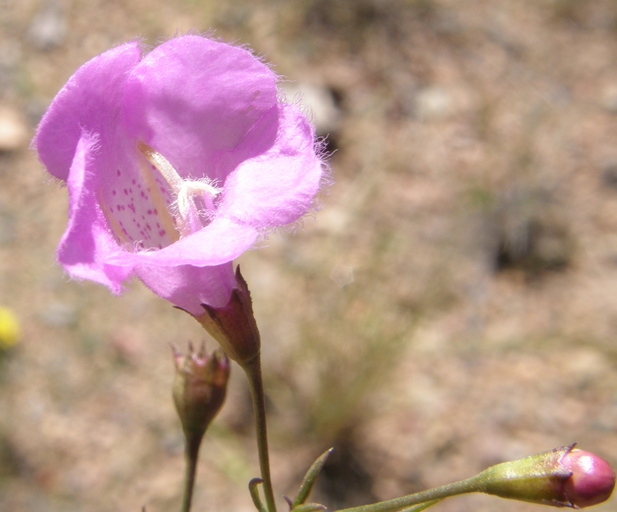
159, 202
188, 219
164, 167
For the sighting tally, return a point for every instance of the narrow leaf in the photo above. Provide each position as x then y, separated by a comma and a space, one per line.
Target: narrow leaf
309, 479
309, 507
253, 484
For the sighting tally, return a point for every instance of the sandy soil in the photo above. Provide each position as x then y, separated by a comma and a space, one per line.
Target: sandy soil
453, 305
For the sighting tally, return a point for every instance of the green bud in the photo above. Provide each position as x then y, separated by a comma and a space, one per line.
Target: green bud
563, 477
199, 389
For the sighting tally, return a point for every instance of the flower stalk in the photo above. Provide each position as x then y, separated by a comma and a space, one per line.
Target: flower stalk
419, 498
191, 456
253, 373
563, 477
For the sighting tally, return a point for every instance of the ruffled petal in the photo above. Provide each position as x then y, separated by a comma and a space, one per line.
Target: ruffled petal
277, 187
220, 242
89, 101
193, 99
188, 287
257, 142
87, 242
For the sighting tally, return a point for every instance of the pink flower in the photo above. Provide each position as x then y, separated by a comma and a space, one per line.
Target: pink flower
176, 162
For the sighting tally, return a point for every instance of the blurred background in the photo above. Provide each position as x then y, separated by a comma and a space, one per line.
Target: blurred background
453, 304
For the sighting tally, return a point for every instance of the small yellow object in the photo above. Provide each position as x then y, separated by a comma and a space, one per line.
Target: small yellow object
9, 329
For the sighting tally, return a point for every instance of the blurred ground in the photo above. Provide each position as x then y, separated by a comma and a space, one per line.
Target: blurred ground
453, 305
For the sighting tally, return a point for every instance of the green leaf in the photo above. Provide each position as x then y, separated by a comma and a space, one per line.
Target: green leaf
309, 480
255, 494
309, 507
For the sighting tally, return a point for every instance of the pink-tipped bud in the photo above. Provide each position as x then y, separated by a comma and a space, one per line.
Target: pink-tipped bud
233, 325
563, 477
592, 480
199, 390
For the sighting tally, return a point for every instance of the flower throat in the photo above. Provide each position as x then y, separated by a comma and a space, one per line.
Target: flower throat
194, 199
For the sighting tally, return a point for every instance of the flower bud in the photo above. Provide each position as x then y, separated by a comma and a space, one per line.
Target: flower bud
199, 390
562, 477
592, 480
233, 325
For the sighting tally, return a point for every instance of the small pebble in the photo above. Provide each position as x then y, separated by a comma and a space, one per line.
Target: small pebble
13, 130
59, 314
609, 99
7, 229
343, 275
433, 103
48, 28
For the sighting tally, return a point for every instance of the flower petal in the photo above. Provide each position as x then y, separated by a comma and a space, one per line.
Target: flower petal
192, 99
89, 101
87, 241
277, 187
220, 242
188, 287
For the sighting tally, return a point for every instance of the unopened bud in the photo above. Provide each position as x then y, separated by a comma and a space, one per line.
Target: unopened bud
592, 480
199, 389
563, 477
233, 325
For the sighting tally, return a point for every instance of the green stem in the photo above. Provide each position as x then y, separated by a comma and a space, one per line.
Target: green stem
419, 508
191, 455
253, 373
439, 493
